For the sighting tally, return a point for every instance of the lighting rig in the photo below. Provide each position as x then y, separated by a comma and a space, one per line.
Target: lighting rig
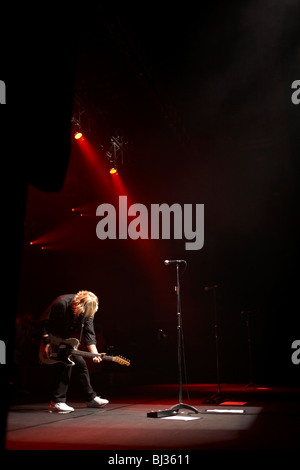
115, 154
76, 120
118, 144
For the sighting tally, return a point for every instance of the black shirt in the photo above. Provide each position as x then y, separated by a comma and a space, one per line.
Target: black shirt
61, 322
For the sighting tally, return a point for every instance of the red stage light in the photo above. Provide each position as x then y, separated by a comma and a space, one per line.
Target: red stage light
113, 171
78, 135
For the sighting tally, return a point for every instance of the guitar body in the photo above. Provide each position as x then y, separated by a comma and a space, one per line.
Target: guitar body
61, 350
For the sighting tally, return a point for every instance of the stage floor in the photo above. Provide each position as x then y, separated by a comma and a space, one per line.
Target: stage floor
264, 418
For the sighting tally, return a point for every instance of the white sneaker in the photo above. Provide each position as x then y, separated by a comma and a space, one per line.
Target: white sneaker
59, 408
97, 402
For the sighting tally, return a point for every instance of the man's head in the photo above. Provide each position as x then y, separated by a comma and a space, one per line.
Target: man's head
85, 303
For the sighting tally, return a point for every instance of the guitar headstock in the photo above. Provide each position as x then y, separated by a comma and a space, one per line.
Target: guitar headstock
121, 360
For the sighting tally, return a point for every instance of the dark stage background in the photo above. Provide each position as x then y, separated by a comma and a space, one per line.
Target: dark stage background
204, 98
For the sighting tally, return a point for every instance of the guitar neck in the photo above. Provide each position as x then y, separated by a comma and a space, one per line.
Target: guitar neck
104, 357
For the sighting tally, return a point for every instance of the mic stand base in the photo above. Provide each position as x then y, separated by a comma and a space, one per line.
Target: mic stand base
185, 407
215, 399
250, 384
171, 411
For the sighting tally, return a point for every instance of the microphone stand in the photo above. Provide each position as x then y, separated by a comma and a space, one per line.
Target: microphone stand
248, 316
180, 405
179, 346
217, 397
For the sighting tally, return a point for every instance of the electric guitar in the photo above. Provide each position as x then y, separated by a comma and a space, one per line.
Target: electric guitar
61, 350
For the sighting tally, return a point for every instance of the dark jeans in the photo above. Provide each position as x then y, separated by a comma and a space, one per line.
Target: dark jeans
63, 377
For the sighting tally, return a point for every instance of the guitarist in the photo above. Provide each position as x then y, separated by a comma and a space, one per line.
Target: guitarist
69, 314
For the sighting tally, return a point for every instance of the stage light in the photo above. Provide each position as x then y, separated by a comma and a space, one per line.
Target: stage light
113, 171
78, 135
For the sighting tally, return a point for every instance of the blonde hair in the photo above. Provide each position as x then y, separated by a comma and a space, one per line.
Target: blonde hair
85, 303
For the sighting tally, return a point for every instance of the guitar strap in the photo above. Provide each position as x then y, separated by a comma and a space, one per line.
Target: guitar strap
81, 331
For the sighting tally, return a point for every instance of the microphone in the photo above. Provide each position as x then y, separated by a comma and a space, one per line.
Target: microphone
174, 261
210, 287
